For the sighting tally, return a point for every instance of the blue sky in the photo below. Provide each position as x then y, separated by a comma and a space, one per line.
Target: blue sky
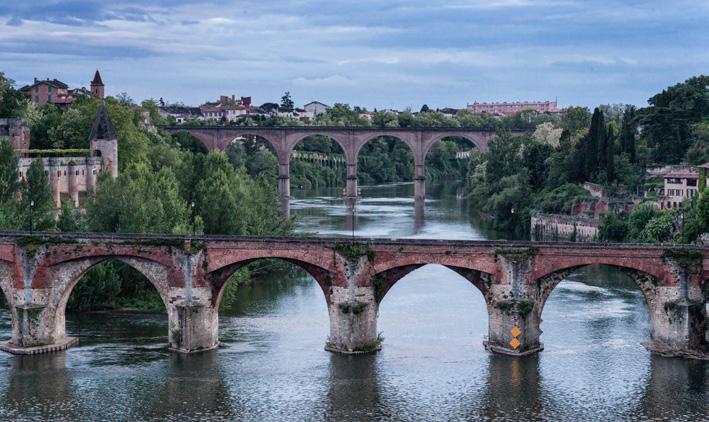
376, 54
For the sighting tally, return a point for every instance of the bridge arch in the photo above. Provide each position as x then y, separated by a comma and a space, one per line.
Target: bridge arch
6, 281
386, 276
68, 274
324, 274
323, 151
645, 281
391, 143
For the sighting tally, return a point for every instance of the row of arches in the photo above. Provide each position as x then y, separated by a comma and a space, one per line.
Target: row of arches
92, 276
376, 160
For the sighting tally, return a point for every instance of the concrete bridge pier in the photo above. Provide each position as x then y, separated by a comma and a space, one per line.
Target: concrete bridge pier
353, 320
194, 327
678, 315
284, 180
514, 312
513, 323
351, 185
420, 182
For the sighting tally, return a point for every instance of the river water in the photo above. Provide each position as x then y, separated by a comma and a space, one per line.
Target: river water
271, 364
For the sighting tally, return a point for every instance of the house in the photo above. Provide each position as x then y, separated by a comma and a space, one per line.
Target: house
679, 185
316, 108
54, 91
227, 109
181, 113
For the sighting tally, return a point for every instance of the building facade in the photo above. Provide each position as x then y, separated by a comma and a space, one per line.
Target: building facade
506, 109
679, 185
74, 176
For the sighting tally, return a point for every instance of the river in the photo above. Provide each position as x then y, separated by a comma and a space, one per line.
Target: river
271, 364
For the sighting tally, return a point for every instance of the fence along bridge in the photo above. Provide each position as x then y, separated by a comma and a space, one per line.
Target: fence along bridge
38, 273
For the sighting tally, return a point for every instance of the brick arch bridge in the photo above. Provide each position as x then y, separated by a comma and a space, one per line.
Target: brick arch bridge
38, 273
350, 139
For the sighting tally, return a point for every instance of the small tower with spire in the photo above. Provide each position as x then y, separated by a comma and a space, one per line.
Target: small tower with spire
104, 142
97, 86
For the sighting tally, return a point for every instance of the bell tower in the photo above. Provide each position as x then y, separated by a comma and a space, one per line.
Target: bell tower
97, 86
104, 142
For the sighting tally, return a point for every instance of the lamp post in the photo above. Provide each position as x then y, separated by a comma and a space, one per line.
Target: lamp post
31, 216
192, 217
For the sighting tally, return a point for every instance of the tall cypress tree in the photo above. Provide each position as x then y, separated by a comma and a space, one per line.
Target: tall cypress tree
627, 133
610, 149
592, 142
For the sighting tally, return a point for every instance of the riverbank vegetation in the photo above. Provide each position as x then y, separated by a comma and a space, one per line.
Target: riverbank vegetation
610, 147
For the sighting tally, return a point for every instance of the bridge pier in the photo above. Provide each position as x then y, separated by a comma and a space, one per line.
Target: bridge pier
35, 330
351, 185
514, 312
353, 320
194, 327
420, 182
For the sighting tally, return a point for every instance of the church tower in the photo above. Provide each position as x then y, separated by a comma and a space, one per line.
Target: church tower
104, 142
97, 86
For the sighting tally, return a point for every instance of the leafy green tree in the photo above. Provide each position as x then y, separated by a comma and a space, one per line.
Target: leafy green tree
576, 119
697, 222
41, 130
12, 102
139, 201
667, 123
9, 172
37, 202
69, 219
613, 229
286, 102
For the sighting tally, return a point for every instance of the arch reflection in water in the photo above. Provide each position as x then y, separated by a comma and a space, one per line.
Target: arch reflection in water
39, 387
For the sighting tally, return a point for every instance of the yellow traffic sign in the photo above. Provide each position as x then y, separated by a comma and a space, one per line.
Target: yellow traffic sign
516, 331
515, 343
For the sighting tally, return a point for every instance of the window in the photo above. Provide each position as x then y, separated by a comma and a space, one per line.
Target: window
77, 173
36, 98
49, 98
36, 88
691, 182
49, 89
59, 174
94, 171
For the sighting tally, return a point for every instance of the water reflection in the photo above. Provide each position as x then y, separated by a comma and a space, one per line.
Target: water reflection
39, 387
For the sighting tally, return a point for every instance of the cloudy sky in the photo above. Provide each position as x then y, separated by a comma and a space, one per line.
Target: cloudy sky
377, 54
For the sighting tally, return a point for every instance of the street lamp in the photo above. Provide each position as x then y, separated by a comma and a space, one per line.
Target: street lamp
192, 217
31, 216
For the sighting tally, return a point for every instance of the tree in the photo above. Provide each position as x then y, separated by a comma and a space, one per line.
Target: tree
139, 201
9, 170
42, 129
69, 220
628, 130
37, 202
425, 109
286, 102
13, 103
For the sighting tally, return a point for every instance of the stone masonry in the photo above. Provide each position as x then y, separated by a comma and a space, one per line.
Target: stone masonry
38, 273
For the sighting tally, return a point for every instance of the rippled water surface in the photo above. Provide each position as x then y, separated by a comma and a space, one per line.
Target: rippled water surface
271, 364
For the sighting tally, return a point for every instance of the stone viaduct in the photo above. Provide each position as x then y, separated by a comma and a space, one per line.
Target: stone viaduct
350, 139
38, 273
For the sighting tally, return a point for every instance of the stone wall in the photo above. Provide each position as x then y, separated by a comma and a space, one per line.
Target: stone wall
553, 227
